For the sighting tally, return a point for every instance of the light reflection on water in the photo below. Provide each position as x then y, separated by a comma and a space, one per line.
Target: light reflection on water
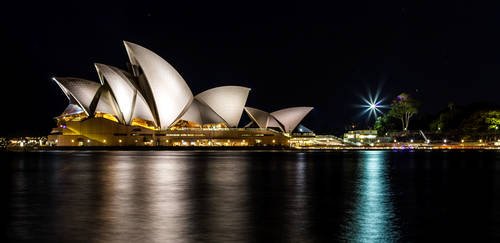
167, 196
373, 218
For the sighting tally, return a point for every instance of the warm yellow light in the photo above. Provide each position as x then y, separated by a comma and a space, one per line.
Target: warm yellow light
120, 141
88, 140
462, 140
72, 140
274, 141
104, 141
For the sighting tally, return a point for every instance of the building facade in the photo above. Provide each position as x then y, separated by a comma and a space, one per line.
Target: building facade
152, 105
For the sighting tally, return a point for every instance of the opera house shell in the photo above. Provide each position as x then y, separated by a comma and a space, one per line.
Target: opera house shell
151, 104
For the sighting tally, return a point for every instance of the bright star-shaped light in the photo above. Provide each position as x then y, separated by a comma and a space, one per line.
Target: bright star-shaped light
373, 105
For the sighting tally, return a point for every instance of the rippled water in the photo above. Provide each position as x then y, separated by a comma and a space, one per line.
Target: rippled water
234, 196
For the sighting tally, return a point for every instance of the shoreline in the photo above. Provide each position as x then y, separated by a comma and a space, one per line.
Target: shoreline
256, 149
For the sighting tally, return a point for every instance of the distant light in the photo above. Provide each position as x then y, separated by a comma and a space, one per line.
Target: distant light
444, 141
411, 141
373, 105
88, 140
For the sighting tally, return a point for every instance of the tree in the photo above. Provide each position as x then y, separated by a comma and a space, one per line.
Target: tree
403, 108
385, 124
482, 121
492, 119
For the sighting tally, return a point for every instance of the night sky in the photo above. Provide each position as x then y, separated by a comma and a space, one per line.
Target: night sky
288, 53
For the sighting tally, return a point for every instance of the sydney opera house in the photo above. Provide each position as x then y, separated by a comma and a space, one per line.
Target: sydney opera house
152, 105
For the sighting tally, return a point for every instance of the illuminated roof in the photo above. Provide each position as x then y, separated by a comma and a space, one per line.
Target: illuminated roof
72, 109
142, 109
291, 117
107, 104
80, 90
156, 92
260, 117
201, 114
226, 101
193, 113
170, 95
121, 88
286, 119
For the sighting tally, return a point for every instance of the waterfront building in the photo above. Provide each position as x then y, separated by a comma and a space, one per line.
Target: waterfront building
361, 137
152, 105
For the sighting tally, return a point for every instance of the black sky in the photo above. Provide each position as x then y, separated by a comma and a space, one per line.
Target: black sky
290, 53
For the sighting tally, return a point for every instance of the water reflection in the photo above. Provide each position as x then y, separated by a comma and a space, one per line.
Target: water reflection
167, 196
166, 200
372, 219
298, 210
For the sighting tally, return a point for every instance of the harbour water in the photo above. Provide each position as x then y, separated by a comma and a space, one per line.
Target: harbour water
238, 196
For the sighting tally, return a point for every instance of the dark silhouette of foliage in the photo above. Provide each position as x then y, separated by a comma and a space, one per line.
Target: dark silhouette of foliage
403, 108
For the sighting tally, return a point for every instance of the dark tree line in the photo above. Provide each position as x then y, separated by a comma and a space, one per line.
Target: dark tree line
476, 118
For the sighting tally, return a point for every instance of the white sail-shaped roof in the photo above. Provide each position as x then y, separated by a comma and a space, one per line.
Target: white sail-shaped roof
227, 101
208, 115
72, 109
81, 90
142, 110
201, 114
170, 94
291, 117
193, 113
121, 88
260, 117
106, 104
272, 122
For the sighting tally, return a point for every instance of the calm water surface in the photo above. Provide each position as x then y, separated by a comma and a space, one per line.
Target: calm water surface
186, 196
